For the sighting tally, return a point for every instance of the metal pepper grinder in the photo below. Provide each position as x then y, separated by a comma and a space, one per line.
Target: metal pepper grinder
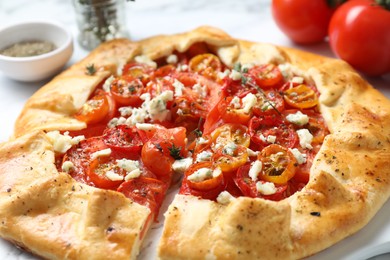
99, 21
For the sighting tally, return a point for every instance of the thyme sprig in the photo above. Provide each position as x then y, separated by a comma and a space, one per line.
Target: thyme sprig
174, 151
248, 81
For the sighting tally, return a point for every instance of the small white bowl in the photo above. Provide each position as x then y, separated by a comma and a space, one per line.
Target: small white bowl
38, 67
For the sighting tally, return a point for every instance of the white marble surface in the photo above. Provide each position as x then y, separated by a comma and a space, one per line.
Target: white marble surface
247, 19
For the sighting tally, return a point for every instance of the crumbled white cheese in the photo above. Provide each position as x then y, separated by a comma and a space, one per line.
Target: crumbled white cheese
204, 156
247, 66
201, 175
300, 157
107, 84
202, 140
179, 112
62, 142
225, 198
133, 174
182, 165
286, 70
67, 166
271, 139
222, 75
251, 153
255, 169
235, 75
172, 59
145, 126
125, 111
229, 148
183, 67
200, 90
266, 188
248, 102
305, 138
114, 176
298, 118
178, 88
204, 174
236, 102
128, 165
298, 80
101, 153
145, 60
157, 107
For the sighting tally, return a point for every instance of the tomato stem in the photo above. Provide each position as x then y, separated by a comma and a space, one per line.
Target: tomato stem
335, 3
384, 3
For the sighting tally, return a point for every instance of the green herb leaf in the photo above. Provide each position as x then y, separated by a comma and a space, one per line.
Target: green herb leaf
90, 69
237, 67
197, 132
174, 151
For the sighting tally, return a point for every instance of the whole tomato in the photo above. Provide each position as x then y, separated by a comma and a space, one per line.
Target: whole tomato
359, 33
303, 21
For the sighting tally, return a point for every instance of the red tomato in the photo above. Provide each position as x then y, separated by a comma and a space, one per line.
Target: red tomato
137, 71
279, 164
301, 97
206, 189
230, 162
260, 128
146, 191
166, 145
97, 169
124, 139
127, 90
206, 64
359, 33
94, 110
80, 156
230, 114
248, 186
303, 21
266, 76
263, 106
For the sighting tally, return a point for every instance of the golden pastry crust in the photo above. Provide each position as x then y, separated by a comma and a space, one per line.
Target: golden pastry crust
349, 180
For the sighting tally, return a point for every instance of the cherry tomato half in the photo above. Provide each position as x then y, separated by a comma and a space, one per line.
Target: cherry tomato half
279, 164
94, 110
301, 97
266, 76
206, 64
248, 186
127, 91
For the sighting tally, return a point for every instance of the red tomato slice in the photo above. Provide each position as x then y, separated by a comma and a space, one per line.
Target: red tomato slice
80, 156
206, 189
124, 139
97, 169
248, 186
263, 129
271, 104
94, 110
230, 114
266, 76
146, 191
127, 91
164, 147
